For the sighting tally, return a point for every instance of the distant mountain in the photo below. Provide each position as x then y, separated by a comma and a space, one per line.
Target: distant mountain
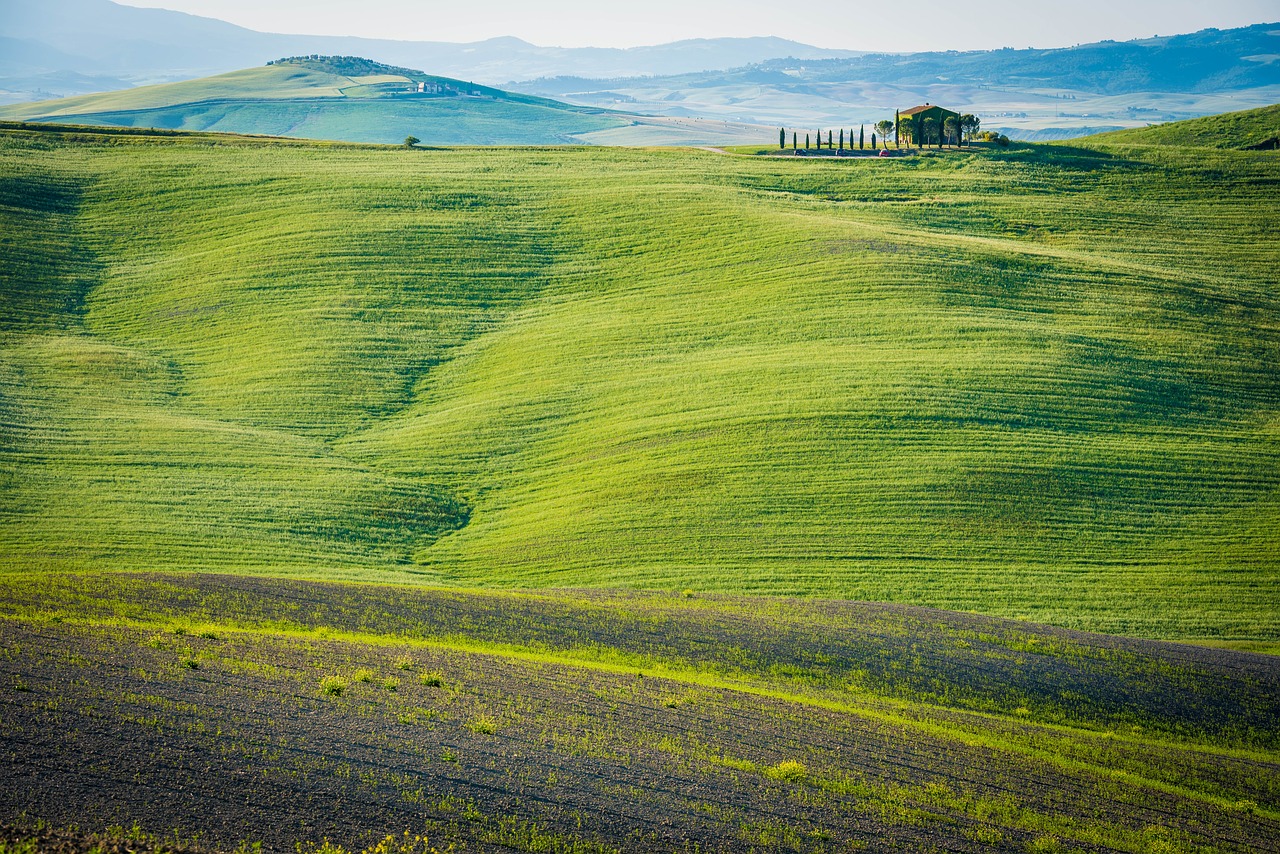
1208, 61
79, 41
354, 99
1045, 94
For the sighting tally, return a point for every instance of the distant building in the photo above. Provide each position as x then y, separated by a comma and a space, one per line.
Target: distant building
918, 115
430, 88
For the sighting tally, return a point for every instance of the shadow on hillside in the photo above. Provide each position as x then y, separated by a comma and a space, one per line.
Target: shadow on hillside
1081, 157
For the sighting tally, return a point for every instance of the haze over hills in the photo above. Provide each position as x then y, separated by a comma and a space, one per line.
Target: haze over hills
68, 47
57, 48
352, 99
1026, 93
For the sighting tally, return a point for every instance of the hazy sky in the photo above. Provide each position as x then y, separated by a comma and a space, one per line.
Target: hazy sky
855, 24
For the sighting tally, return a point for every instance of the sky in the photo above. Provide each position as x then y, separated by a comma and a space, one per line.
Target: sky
886, 25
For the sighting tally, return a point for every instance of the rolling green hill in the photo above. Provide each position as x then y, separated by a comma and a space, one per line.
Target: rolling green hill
1250, 129
344, 98
1033, 383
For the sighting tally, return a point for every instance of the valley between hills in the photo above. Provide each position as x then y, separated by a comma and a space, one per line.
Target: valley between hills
584, 499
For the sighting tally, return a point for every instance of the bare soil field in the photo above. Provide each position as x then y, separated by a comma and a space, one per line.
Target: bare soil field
229, 712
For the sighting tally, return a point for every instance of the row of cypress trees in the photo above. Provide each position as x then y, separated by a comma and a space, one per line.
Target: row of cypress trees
831, 141
967, 126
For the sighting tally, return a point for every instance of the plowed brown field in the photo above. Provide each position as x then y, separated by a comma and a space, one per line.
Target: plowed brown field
238, 710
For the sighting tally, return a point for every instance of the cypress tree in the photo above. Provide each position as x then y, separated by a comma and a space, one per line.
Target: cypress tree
829, 140
897, 134
793, 140
782, 137
862, 137
806, 142
873, 140
842, 139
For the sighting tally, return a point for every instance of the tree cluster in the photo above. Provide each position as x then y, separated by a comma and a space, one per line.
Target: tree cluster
903, 130
347, 66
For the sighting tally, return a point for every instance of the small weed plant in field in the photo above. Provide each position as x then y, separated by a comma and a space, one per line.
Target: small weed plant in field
483, 725
418, 715
788, 771
362, 675
432, 680
404, 662
333, 686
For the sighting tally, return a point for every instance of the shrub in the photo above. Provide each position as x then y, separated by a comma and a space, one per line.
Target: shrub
789, 771
333, 685
483, 725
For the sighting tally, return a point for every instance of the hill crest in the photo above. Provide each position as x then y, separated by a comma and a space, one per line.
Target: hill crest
354, 99
1247, 130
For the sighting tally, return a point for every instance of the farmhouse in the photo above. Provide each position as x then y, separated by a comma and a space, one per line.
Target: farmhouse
919, 115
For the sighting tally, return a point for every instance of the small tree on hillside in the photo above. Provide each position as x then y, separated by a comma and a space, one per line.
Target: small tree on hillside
907, 130
793, 141
969, 125
928, 131
884, 128
411, 141
951, 129
873, 139
782, 138
806, 142
862, 137
841, 139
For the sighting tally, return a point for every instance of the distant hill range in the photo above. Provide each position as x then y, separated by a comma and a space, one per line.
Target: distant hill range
1031, 94
57, 48
354, 99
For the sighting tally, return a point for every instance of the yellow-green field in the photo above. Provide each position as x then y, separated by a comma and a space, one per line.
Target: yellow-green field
1037, 383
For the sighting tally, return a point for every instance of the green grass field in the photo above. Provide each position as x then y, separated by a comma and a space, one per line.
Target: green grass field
1233, 131
1038, 383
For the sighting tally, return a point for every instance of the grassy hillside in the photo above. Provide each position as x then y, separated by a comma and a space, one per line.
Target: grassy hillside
348, 715
1035, 383
1241, 130
331, 98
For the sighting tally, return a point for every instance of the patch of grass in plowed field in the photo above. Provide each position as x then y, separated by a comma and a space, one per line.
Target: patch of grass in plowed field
248, 710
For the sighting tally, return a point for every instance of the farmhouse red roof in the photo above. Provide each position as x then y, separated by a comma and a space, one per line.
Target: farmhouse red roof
914, 110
